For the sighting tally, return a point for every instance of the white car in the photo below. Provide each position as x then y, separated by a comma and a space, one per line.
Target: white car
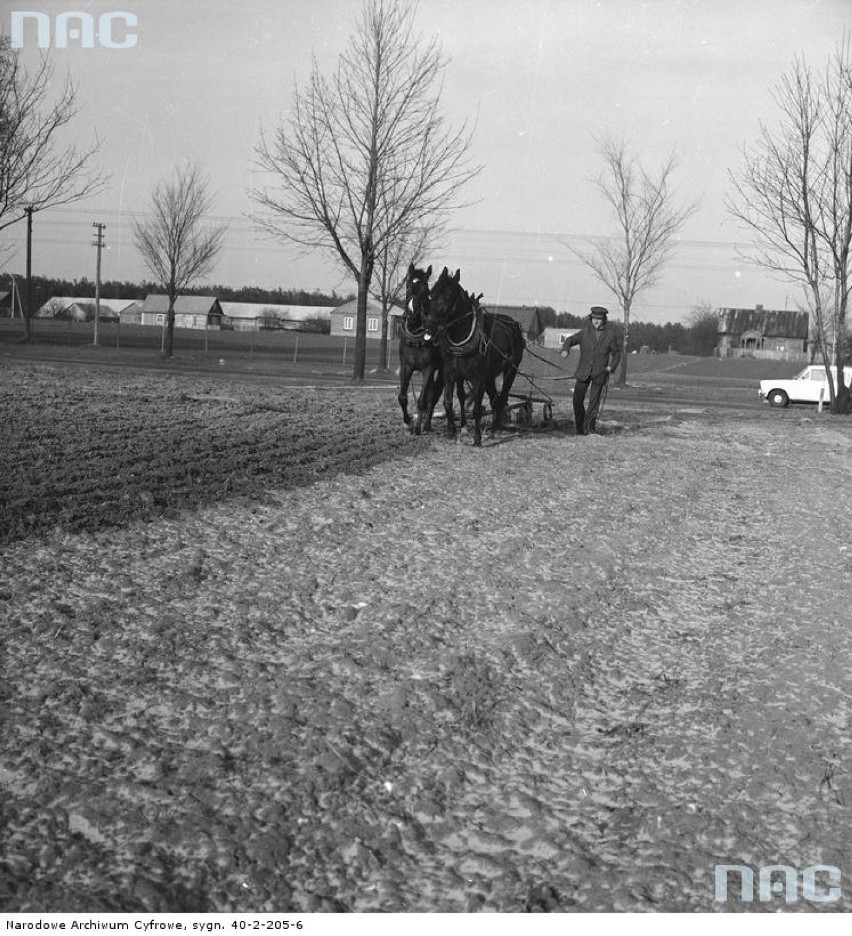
805, 387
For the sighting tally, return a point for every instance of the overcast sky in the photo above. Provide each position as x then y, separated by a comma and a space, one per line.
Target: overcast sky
540, 78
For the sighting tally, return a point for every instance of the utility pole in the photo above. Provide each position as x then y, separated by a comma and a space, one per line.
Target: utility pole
99, 227
29, 308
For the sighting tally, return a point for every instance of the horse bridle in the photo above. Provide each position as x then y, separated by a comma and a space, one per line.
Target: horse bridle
419, 335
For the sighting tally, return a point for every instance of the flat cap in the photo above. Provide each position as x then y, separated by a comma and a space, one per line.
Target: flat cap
599, 312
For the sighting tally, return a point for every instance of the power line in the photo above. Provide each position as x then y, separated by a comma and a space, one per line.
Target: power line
489, 233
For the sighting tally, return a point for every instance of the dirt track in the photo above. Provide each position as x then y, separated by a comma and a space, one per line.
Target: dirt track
552, 674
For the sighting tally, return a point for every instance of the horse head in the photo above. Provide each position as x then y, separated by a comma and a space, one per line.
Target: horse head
445, 298
417, 296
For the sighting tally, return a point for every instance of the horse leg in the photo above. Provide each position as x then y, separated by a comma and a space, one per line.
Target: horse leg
423, 401
493, 399
433, 388
503, 397
460, 392
478, 394
436, 387
448, 406
402, 397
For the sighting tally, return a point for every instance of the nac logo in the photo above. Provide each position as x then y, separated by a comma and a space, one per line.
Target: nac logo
820, 883
114, 30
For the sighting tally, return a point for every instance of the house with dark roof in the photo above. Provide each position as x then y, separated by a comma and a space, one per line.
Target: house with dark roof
190, 311
758, 332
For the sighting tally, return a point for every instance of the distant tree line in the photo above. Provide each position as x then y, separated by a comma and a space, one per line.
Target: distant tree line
699, 336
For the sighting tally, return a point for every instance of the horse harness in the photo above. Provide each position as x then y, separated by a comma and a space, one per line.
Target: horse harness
478, 340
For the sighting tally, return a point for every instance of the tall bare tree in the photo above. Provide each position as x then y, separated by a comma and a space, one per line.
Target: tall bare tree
647, 217
365, 155
37, 170
174, 242
793, 193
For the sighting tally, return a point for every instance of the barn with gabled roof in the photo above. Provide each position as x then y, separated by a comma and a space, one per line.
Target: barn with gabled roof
778, 333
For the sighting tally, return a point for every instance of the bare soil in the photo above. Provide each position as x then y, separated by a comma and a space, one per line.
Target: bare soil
265, 651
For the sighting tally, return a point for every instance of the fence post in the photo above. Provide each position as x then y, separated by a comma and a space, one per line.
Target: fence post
821, 398
344, 349
296, 349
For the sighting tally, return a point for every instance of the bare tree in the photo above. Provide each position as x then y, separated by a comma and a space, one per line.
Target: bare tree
793, 193
36, 170
647, 218
176, 247
365, 155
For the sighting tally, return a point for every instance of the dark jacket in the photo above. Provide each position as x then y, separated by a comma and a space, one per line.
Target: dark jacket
597, 349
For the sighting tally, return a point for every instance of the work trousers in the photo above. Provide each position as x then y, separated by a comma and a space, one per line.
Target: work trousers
585, 420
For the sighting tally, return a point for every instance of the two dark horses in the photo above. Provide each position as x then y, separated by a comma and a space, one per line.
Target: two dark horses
476, 347
453, 341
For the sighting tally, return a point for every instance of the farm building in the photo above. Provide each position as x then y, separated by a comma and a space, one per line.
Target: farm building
528, 317
69, 309
552, 337
257, 316
343, 319
131, 313
766, 333
190, 311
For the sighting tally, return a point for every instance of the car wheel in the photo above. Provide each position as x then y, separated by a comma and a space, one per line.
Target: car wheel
778, 398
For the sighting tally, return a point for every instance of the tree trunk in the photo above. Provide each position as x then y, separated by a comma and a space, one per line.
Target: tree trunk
842, 403
383, 344
622, 367
170, 328
364, 278
360, 359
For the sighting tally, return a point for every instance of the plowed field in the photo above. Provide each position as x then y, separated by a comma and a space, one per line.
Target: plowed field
264, 651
